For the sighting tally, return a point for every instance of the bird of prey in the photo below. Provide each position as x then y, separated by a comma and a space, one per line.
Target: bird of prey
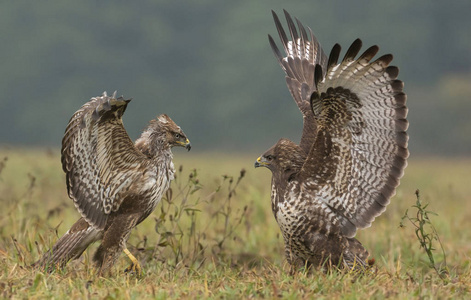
352, 154
114, 183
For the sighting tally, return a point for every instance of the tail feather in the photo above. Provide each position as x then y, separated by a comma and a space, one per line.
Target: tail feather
70, 246
355, 255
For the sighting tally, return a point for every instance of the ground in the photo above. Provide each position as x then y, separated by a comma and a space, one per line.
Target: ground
215, 236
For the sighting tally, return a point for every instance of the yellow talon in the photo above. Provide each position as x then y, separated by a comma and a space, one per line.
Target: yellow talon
135, 266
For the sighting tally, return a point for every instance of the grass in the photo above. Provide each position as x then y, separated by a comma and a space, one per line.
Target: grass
214, 236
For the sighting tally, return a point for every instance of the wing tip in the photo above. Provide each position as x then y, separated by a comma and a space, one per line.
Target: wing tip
385, 60
369, 53
334, 56
353, 50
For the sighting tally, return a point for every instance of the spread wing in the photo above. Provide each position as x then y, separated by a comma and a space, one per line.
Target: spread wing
99, 158
360, 150
303, 53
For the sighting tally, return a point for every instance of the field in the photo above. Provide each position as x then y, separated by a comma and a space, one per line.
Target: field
215, 236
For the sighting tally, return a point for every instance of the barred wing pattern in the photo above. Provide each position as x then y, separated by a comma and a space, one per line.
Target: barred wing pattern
99, 158
361, 115
303, 53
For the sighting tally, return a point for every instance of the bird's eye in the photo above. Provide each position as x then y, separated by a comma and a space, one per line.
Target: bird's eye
177, 135
269, 157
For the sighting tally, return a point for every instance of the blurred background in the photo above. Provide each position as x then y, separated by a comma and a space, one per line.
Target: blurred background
208, 64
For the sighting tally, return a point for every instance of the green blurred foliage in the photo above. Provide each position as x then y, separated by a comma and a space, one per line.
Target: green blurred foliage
209, 66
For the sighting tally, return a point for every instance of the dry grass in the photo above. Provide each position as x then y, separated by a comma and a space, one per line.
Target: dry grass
214, 236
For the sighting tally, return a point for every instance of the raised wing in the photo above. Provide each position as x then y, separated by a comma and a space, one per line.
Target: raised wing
360, 151
99, 158
303, 53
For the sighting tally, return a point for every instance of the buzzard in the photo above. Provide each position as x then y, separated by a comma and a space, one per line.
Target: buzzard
352, 153
114, 183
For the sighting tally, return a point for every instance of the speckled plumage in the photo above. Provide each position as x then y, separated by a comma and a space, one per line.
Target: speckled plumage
114, 183
352, 153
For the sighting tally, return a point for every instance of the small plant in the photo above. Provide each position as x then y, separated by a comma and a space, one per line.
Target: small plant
175, 238
187, 240
426, 234
3, 164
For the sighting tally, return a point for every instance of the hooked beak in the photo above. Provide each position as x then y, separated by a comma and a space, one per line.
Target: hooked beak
261, 162
185, 144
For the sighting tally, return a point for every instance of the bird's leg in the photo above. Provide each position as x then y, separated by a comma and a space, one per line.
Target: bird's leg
290, 259
114, 241
135, 266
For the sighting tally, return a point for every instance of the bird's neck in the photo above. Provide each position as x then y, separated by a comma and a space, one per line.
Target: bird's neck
283, 178
152, 145
157, 151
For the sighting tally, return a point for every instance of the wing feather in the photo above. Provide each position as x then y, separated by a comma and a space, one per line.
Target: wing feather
99, 158
360, 111
302, 53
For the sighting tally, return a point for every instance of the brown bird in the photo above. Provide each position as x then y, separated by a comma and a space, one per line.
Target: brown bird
115, 184
352, 153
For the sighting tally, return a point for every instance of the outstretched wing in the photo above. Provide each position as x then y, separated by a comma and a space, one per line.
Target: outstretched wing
360, 150
303, 53
99, 158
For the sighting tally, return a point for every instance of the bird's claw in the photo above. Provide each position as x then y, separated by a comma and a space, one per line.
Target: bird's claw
134, 269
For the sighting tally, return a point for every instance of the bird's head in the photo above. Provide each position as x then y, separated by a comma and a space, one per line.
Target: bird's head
283, 158
173, 134
162, 133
